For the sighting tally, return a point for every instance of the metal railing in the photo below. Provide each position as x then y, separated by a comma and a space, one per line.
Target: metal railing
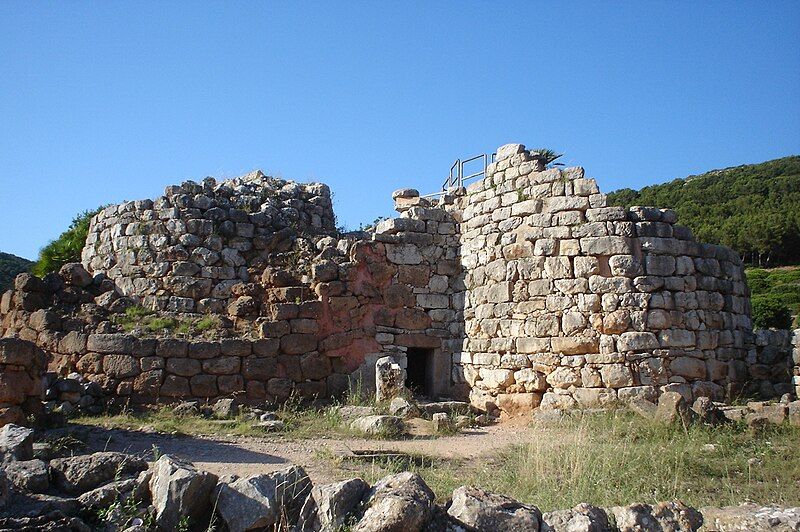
457, 178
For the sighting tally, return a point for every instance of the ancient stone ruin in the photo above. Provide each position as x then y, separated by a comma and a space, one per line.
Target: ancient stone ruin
522, 290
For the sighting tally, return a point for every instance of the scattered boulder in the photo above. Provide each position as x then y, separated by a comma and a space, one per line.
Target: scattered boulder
748, 517
16, 443
734, 413
105, 495
794, 413
180, 491
674, 515
662, 516
706, 411
29, 475
352, 412
336, 502
397, 503
78, 474
268, 416
643, 407
187, 408
402, 407
633, 517
672, 407
275, 425
36, 504
225, 409
478, 510
54, 521
261, 501
379, 425
75, 274
582, 518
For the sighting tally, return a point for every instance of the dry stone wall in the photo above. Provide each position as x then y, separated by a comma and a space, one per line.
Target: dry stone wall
22, 366
185, 251
574, 303
772, 363
362, 300
523, 290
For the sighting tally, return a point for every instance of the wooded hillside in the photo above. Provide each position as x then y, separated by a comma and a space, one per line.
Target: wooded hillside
10, 266
754, 209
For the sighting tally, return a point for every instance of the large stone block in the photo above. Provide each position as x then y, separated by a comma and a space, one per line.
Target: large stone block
607, 245
575, 345
296, 344
120, 366
111, 343
637, 341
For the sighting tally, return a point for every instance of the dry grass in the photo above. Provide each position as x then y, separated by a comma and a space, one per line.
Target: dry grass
616, 458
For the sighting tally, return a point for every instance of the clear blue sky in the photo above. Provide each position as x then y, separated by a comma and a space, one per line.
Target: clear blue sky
106, 101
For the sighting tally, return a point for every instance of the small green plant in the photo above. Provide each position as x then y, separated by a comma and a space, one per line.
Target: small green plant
138, 311
65, 445
357, 395
107, 513
547, 156
156, 452
67, 247
372, 225
161, 324
448, 429
183, 524
208, 323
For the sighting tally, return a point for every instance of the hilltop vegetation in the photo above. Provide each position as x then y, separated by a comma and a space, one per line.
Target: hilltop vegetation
67, 247
10, 266
775, 296
754, 209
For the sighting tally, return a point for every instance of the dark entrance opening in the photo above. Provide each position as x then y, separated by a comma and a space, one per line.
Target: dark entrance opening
418, 366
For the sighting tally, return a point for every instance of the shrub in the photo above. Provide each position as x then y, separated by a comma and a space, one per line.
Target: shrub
771, 313
67, 247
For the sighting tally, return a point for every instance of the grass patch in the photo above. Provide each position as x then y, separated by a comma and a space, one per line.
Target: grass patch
616, 458
137, 317
209, 323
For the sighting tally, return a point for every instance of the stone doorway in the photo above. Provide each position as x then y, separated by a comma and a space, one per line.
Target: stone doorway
419, 374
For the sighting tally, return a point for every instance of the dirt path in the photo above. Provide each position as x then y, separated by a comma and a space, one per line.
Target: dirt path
242, 456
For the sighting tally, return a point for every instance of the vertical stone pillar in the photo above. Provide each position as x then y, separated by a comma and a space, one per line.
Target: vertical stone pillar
390, 379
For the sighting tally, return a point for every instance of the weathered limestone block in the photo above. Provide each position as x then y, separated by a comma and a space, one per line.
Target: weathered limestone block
496, 378
637, 341
564, 377
179, 491
389, 379
476, 509
575, 345
616, 375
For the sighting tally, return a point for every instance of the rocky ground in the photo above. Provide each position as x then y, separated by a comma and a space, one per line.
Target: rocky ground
111, 490
365, 477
